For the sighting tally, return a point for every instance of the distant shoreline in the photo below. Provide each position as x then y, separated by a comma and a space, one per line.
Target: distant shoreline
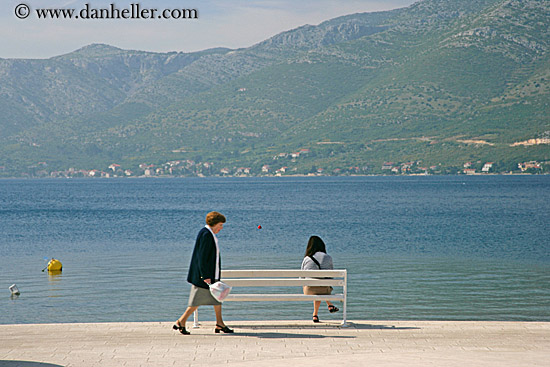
274, 176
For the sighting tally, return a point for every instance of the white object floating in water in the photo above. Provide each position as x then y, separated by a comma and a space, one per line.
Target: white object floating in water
14, 290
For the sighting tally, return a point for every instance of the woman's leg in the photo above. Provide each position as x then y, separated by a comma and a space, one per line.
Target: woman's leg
220, 325
316, 305
183, 319
219, 319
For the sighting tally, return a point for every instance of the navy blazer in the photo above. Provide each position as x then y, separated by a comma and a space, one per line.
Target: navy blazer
203, 260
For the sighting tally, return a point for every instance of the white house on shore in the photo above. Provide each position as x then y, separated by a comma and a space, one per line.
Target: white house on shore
487, 167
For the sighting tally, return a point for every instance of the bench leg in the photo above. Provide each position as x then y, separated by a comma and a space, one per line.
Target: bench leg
345, 311
196, 323
344, 323
344, 320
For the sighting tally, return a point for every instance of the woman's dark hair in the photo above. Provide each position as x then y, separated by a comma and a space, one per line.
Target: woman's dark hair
315, 244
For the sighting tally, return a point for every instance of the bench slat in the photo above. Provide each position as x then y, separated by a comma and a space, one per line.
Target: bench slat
284, 297
272, 282
282, 273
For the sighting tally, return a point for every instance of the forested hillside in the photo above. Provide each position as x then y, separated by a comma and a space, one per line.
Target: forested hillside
438, 87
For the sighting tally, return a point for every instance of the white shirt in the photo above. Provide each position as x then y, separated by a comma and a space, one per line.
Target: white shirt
217, 274
324, 259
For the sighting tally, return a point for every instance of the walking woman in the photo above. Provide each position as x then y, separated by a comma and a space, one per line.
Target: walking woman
205, 269
316, 258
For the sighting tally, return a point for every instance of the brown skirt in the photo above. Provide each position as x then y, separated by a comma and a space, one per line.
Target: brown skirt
316, 290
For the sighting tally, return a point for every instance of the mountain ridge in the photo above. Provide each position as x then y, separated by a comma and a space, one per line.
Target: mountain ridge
412, 84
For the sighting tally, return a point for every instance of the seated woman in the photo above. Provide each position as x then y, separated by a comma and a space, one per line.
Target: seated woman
316, 258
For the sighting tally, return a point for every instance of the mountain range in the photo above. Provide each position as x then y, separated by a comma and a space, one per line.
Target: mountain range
439, 84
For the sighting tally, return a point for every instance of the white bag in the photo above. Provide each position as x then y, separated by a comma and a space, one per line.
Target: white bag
219, 290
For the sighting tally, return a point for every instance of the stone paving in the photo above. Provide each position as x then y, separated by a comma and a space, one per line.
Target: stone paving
278, 343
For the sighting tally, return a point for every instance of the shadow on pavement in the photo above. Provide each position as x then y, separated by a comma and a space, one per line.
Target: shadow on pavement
321, 325
360, 326
325, 326
275, 335
27, 364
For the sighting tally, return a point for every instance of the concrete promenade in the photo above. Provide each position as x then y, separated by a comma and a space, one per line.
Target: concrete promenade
279, 343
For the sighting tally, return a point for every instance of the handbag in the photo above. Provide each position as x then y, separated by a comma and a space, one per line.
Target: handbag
219, 290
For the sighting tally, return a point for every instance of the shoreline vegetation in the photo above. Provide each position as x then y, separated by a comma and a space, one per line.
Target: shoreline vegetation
278, 176
281, 167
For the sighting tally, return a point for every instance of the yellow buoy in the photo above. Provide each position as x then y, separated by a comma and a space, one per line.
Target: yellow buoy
55, 265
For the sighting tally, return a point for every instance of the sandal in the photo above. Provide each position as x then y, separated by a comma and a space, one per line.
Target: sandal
315, 318
333, 309
180, 328
225, 329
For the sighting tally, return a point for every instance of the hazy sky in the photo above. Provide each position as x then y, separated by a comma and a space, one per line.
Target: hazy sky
220, 23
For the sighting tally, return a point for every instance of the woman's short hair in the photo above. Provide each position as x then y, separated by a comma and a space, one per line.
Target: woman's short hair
315, 244
214, 218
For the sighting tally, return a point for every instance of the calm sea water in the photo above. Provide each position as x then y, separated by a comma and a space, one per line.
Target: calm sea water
439, 248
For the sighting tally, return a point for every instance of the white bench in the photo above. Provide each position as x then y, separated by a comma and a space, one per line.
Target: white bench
285, 278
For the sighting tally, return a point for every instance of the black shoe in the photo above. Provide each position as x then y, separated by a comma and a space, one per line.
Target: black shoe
333, 309
181, 329
315, 318
225, 329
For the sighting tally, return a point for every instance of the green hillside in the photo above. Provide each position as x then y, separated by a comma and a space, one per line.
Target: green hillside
428, 88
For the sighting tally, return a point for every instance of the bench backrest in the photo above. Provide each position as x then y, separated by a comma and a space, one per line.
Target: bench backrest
283, 277
282, 273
